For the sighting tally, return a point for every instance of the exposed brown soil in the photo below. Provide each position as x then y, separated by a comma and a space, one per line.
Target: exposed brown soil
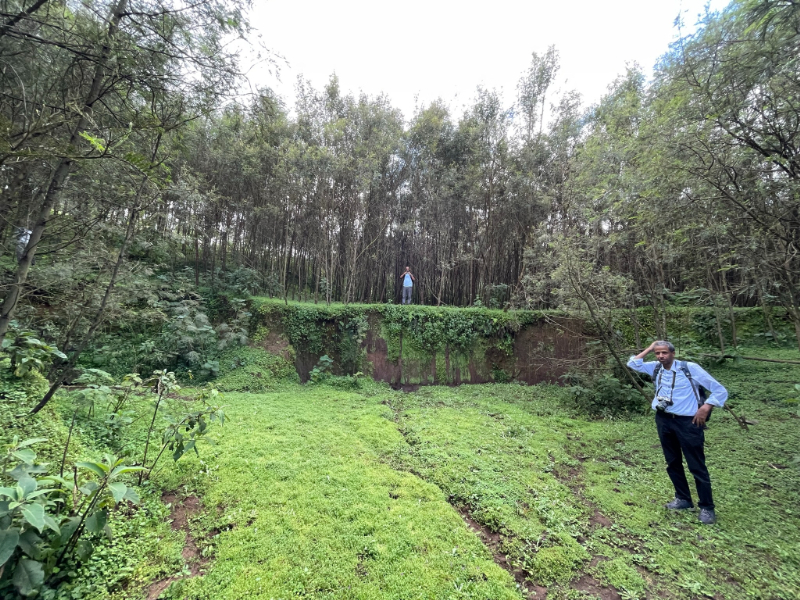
542, 352
587, 583
545, 351
493, 541
276, 344
599, 519
183, 510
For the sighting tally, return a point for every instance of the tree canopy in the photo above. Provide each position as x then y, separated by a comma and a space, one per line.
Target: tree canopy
122, 152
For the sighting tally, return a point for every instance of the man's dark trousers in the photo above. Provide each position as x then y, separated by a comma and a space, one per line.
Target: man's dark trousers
678, 435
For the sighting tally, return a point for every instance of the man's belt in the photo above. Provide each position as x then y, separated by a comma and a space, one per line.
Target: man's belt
668, 415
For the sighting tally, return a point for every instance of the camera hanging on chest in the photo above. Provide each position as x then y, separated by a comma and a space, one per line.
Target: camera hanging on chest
663, 402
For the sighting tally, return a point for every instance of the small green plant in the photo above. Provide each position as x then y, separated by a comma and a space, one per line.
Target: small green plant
499, 375
184, 432
47, 521
322, 371
345, 382
210, 368
122, 393
94, 388
29, 353
248, 369
163, 383
604, 395
796, 400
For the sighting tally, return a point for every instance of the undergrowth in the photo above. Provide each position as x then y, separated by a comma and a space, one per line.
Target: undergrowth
248, 369
330, 493
350, 490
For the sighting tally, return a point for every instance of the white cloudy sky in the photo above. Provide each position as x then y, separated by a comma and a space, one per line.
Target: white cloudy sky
421, 50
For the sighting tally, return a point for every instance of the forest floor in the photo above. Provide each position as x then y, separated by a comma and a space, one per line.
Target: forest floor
491, 491
497, 491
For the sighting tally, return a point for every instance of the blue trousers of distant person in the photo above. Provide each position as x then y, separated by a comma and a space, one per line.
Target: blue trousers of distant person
407, 294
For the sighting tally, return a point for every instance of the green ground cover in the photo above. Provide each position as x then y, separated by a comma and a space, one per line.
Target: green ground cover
323, 492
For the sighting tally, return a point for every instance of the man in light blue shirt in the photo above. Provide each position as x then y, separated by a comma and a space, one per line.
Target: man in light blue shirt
408, 285
681, 414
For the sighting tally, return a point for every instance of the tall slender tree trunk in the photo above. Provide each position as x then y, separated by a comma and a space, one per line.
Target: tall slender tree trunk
318, 270
196, 260
60, 176
767, 313
98, 318
794, 312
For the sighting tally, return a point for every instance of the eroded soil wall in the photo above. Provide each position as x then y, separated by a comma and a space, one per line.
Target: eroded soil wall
424, 346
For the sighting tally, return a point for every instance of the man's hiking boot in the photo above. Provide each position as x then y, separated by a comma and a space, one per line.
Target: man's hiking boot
679, 504
707, 516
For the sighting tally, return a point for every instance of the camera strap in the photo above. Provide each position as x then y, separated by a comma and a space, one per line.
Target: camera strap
672, 388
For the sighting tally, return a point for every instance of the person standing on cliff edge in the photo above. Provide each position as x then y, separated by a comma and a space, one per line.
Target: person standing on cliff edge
408, 285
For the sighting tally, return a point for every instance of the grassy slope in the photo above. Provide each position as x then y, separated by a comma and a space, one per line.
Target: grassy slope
329, 494
312, 510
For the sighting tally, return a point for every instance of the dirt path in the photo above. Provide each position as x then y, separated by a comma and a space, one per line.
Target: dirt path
184, 509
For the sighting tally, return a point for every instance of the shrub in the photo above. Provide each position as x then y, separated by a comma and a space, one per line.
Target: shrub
322, 371
245, 369
345, 382
41, 530
499, 375
604, 395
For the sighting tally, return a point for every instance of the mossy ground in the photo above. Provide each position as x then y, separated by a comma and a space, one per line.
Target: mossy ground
323, 493
248, 369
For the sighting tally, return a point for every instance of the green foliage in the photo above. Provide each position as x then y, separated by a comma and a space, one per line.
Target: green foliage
184, 431
431, 329
244, 281
604, 395
346, 382
340, 331
163, 384
99, 389
500, 375
624, 577
234, 330
168, 325
322, 370
796, 399
316, 460
533, 469
247, 369
46, 521
15, 391
322, 374
522, 459
351, 335
28, 353
697, 326
557, 564
64, 525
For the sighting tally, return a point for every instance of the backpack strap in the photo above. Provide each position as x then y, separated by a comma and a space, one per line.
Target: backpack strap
656, 371
683, 366
654, 377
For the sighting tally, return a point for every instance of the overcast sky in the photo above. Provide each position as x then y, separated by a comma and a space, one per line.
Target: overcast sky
416, 51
